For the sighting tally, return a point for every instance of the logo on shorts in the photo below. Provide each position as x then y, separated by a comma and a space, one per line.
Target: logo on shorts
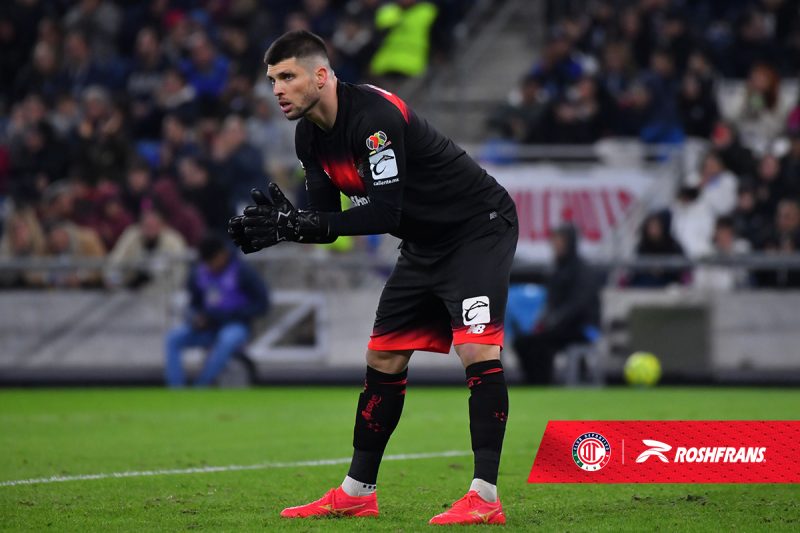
376, 140
591, 452
476, 310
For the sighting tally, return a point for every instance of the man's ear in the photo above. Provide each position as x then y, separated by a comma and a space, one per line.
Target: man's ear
322, 77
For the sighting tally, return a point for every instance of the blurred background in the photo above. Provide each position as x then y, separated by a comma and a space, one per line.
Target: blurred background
652, 148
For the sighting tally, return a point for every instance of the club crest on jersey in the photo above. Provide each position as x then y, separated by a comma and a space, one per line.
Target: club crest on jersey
376, 141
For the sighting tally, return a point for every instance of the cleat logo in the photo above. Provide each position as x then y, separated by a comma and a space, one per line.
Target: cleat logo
485, 517
341, 511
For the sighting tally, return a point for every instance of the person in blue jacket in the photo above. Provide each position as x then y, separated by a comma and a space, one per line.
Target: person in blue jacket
226, 295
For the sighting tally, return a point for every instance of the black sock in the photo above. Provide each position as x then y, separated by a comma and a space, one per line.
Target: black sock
488, 410
379, 409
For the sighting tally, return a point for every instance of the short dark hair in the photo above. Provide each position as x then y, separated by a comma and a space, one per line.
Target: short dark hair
299, 44
211, 244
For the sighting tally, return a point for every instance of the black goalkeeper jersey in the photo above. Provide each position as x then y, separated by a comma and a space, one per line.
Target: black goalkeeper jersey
402, 176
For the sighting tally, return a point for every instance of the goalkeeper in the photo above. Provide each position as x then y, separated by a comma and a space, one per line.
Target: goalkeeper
450, 283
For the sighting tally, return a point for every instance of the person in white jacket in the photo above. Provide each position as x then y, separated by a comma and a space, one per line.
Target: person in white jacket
717, 186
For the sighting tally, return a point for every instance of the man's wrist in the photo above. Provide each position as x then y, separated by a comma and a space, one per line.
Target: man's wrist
311, 225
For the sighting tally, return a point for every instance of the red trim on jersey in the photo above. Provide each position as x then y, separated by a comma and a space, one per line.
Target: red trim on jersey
492, 334
415, 339
394, 99
344, 176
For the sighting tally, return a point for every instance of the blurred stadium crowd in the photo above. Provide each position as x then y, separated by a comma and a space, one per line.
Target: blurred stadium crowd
719, 74
129, 128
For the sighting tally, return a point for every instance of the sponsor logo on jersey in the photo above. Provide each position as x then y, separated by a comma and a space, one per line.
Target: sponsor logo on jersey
376, 141
476, 310
359, 200
383, 165
591, 451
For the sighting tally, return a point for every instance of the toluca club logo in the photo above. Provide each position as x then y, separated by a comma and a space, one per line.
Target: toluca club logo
591, 452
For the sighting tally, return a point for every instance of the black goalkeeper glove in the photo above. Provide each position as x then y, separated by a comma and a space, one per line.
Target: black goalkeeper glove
237, 235
266, 225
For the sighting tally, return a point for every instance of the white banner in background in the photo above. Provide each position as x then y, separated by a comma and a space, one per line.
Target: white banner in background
596, 199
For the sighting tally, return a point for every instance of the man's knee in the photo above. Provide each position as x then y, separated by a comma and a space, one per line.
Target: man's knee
233, 335
392, 362
471, 353
177, 336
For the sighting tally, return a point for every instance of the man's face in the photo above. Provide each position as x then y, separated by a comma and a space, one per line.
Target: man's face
295, 87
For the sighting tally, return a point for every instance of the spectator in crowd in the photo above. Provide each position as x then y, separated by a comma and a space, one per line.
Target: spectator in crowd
758, 116
68, 241
205, 192
206, 70
273, 137
735, 156
179, 214
752, 44
239, 48
352, 47
692, 223
175, 96
627, 98
749, 222
663, 85
22, 238
37, 162
177, 143
633, 31
144, 79
675, 37
98, 19
558, 68
769, 185
66, 116
138, 187
102, 142
321, 17
697, 100
406, 26
42, 76
656, 240
790, 165
578, 117
80, 69
522, 120
717, 186
237, 160
149, 239
785, 239
727, 244
572, 305
226, 295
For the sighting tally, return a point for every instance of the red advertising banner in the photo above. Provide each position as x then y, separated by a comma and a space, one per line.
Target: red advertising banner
668, 452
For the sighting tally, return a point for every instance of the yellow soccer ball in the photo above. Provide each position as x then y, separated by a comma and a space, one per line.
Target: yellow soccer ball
642, 369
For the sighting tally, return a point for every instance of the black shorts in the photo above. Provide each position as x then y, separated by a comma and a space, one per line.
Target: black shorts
432, 301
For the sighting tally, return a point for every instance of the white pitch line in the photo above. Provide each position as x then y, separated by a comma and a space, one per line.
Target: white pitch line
228, 468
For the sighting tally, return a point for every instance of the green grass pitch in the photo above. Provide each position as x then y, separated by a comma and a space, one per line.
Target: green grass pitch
74, 432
